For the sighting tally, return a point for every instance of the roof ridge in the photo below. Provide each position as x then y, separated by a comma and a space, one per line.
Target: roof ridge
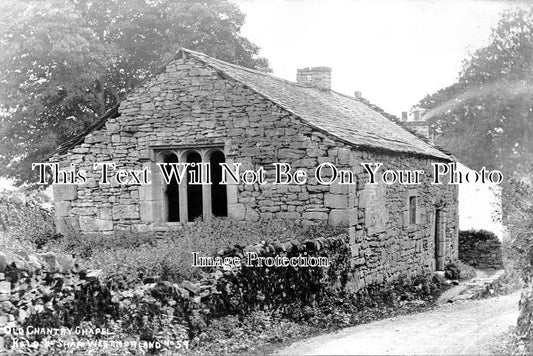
254, 71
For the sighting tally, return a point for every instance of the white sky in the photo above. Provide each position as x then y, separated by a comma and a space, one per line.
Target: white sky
394, 51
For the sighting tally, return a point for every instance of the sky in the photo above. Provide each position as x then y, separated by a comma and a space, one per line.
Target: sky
394, 51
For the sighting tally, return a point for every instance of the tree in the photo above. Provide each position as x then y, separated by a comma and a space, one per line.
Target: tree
486, 118
64, 63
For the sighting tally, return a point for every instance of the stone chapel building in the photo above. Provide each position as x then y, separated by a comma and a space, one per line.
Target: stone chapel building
199, 109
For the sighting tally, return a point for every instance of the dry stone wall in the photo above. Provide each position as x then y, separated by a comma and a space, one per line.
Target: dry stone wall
51, 291
191, 105
36, 283
481, 249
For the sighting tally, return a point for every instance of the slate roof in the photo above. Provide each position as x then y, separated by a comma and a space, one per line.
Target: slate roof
352, 120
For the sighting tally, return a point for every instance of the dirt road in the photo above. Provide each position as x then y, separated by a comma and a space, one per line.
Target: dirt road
467, 328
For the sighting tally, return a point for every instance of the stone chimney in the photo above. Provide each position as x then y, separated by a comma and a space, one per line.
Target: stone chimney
316, 77
419, 125
416, 115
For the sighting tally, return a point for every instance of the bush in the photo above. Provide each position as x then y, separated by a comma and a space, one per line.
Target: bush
128, 258
520, 253
476, 236
124, 268
25, 223
85, 246
525, 319
459, 270
451, 271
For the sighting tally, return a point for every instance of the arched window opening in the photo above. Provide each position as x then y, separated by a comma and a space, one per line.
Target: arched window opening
194, 191
219, 200
172, 192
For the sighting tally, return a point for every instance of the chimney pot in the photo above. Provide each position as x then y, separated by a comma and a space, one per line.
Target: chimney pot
358, 94
416, 115
316, 77
404, 115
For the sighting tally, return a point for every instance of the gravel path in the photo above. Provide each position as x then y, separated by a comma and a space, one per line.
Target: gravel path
462, 328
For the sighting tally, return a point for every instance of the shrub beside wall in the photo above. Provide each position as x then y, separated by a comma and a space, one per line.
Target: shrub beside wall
127, 259
24, 222
525, 320
480, 248
523, 244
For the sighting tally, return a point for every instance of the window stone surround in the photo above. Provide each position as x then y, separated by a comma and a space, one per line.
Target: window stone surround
153, 200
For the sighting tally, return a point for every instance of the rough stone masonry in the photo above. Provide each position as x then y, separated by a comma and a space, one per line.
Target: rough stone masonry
197, 105
481, 249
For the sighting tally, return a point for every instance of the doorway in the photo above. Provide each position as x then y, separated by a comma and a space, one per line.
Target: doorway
439, 241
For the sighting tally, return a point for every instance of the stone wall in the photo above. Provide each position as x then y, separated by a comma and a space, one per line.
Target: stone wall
480, 248
35, 283
191, 105
317, 77
51, 291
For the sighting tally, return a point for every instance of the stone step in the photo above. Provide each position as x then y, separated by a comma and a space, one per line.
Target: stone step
470, 289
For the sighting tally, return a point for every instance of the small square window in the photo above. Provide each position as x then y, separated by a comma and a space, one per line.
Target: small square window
412, 210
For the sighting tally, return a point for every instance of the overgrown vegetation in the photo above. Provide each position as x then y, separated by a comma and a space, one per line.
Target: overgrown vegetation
24, 223
518, 263
459, 271
128, 258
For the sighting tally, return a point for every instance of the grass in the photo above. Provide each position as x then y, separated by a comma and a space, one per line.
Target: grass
128, 258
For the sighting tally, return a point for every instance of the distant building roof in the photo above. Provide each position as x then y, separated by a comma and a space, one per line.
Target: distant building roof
352, 120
